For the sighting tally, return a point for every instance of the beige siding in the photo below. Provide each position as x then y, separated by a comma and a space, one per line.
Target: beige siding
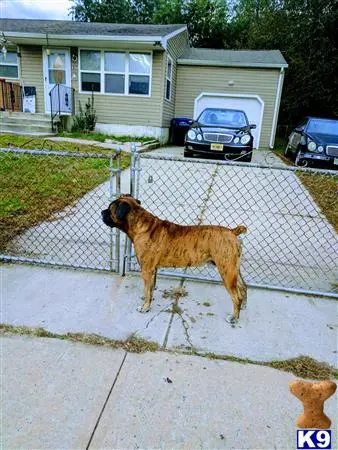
176, 46
192, 80
32, 73
124, 109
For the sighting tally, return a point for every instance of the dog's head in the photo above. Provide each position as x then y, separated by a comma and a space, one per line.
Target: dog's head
116, 213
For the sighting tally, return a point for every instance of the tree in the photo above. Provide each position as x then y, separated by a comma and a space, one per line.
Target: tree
306, 33
108, 11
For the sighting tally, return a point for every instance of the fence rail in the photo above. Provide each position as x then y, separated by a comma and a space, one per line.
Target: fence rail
50, 204
291, 242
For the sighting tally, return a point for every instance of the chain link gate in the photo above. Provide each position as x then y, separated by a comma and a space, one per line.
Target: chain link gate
50, 208
290, 245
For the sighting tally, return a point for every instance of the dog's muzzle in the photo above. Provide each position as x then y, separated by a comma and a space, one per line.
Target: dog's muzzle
107, 219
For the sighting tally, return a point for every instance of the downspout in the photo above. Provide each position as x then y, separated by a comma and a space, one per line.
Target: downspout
276, 109
18, 55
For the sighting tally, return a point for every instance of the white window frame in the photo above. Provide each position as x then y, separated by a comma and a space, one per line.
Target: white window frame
105, 72
169, 78
126, 72
11, 64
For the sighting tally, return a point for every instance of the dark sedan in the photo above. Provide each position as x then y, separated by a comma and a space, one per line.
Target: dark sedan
217, 131
314, 140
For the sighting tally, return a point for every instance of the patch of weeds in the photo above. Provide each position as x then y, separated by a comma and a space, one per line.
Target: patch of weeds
132, 344
206, 304
227, 358
175, 293
210, 314
304, 367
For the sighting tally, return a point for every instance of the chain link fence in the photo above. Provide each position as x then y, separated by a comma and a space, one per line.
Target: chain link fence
50, 204
290, 212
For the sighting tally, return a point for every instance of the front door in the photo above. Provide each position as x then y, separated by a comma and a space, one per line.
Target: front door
56, 70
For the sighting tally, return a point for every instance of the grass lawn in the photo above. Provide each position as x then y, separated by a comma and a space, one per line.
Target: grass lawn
323, 188
102, 137
32, 188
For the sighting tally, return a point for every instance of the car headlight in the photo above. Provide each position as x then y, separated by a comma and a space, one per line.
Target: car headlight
191, 134
311, 146
199, 137
245, 139
236, 140
320, 149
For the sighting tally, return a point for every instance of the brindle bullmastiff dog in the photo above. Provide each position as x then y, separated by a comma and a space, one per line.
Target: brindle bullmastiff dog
159, 243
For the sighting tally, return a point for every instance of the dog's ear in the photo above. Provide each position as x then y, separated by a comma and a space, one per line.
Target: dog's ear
122, 210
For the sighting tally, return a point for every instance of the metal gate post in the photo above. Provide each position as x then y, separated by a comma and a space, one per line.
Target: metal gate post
113, 194
132, 188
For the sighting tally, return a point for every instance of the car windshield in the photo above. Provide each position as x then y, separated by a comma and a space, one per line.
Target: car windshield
323, 127
223, 117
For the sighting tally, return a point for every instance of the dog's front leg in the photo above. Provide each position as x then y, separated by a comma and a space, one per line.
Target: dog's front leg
148, 276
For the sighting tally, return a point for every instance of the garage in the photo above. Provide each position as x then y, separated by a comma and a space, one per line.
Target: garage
249, 80
252, 105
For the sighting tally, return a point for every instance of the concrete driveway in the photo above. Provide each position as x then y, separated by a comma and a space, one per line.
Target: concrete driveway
289, 242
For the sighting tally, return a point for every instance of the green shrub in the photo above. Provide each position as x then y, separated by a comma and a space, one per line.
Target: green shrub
86, 120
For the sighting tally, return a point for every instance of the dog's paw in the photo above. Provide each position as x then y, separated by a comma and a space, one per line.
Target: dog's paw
143, 309
230, 319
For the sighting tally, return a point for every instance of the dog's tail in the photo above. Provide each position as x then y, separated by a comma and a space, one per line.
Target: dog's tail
239, 230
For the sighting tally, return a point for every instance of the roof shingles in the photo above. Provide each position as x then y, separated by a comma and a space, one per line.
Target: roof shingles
253, 58
68, 27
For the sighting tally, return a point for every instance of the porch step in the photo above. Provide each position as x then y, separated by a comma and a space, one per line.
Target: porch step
25, 123
26, 117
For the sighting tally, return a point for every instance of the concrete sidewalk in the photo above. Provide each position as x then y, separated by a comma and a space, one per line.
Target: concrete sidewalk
275, 325
62, 395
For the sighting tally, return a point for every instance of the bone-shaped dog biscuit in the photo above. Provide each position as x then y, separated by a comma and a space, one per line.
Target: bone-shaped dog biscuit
313, 396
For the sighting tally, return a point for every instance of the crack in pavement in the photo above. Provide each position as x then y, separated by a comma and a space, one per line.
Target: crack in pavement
203, 208
106, 401
206, 199
155, 315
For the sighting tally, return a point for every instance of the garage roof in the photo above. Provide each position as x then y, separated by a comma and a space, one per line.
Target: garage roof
233, 58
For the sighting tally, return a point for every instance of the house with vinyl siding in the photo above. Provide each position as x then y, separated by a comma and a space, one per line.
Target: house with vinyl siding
140, 76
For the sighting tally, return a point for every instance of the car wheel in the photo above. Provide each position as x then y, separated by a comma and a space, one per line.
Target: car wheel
298, 159
246, 158
188, 154
287, 152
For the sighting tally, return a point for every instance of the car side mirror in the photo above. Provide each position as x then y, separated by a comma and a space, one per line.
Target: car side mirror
298, 129
252, 126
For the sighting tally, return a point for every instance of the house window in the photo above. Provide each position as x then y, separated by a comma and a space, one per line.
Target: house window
114, 72
90, 67
139, 73
9, 65
169, 77
110, 72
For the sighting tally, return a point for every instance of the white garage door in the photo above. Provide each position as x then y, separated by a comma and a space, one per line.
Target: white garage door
251, 104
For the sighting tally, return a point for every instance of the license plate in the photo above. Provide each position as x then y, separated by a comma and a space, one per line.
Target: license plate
216, 146
335, 161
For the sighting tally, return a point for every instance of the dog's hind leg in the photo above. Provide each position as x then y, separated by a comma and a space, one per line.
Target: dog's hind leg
243, 290
149, 277
230, 280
